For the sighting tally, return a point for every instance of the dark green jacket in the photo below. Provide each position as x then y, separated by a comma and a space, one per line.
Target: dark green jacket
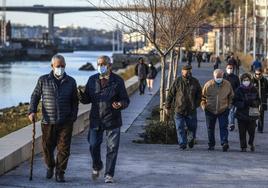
184, 95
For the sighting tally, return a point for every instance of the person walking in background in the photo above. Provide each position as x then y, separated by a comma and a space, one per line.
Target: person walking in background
256, 65
189, 57
232, 61
217, 62
238, 66
59, 109
235, 82
245, 100
107, 93
261, 84
185, 95
199, 59
152, 72
141, 70
217, 98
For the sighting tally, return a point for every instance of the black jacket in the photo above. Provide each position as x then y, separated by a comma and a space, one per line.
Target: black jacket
103, 115
141, 70
233, 79
59, 102
186, 94
243, 99
263, 90
152, 72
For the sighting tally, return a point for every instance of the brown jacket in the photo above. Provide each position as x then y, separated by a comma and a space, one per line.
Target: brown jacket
216, 99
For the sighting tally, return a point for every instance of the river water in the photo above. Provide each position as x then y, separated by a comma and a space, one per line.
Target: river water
18, 78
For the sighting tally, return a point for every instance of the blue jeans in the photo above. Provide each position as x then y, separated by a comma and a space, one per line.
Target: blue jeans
223, 124
182, 121
231, 117
95, 138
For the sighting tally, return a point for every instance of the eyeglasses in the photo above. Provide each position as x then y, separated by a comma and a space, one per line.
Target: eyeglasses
258, 73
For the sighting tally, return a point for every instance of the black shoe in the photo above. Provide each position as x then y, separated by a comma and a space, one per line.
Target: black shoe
243, 149
225, 147
60, 177
259, 131
183, 147
211, 148
191, 143
50, 173
252, 148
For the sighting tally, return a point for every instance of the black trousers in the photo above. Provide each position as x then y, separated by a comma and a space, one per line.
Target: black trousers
244, 128
142, 85
59, 136
261, 121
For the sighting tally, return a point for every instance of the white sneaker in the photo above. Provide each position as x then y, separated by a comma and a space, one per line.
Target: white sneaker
95, 174
108, 179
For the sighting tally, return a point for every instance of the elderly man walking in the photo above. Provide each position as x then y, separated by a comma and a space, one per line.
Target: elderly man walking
107, 93
186, 92
59, 110
217, 98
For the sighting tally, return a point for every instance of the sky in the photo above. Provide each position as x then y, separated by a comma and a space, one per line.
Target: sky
95, 20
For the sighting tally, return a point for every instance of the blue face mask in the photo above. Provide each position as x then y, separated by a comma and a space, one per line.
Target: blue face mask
218, 80
102, 69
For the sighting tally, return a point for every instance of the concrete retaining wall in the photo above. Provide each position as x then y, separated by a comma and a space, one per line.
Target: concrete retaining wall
16, 147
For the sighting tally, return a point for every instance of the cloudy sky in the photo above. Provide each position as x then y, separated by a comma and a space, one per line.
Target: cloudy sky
96, 20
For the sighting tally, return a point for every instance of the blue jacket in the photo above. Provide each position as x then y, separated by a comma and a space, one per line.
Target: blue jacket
59, 101
103, 115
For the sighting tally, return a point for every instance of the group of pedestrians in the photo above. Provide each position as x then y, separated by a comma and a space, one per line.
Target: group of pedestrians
223, 98
145, 72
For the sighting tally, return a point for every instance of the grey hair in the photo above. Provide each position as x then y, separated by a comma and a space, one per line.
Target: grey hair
107, 59
59, 57
218, 71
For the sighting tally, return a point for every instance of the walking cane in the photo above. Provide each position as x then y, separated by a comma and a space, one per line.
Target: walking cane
32, 157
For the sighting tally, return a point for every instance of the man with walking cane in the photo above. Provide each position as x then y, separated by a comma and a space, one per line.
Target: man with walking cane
59, 110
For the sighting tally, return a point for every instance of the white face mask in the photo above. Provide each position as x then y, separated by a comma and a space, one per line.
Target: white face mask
59, 71
246, 83
229, 71
150, 65
218, 80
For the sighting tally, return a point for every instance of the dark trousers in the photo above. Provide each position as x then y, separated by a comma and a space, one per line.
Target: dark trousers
244, 128
223, 124
59, 136
142, 85
261, 121
199, 63
95, 138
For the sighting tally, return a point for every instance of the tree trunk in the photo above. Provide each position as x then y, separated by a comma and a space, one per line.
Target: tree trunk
162, 89
170, 70
176, 64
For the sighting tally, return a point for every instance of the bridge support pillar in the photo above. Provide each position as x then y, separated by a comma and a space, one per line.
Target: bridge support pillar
51, 26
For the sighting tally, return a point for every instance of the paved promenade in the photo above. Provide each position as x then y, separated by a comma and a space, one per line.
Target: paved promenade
163, 166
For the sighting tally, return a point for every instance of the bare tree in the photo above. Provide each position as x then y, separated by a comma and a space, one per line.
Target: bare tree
165, 24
